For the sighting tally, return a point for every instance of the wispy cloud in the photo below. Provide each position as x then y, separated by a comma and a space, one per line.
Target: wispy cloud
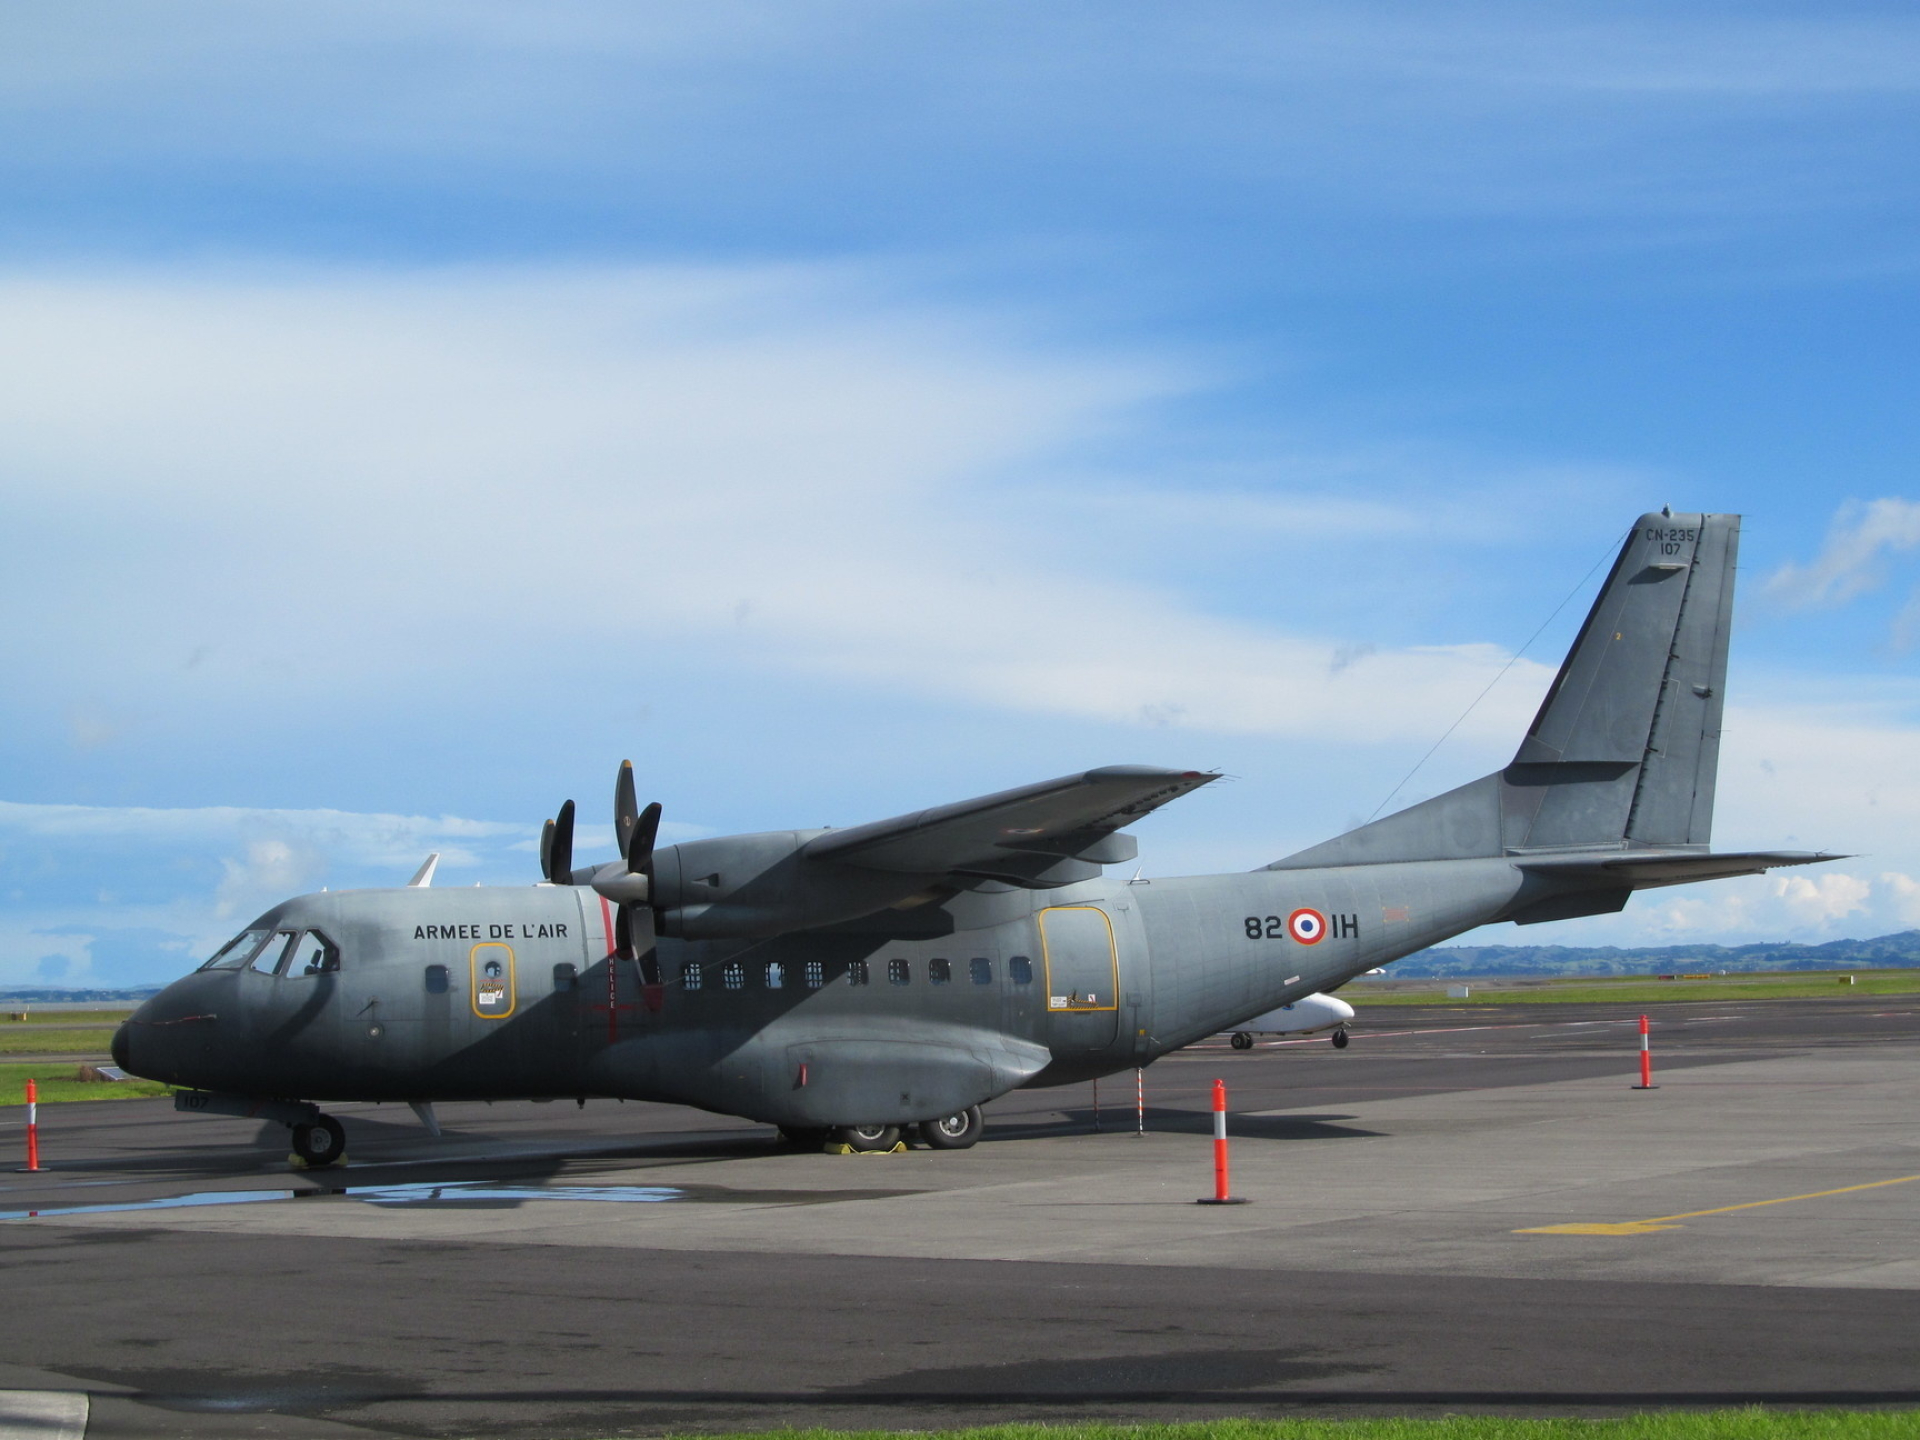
1862, 535
759, 463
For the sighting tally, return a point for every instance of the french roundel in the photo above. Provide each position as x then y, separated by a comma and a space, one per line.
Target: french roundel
1309, 927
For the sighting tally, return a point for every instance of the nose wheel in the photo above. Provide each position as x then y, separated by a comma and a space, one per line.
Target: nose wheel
1340, 1039
321, 1142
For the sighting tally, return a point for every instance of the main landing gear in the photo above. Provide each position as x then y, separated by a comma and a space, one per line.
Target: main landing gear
320, 1141
1242, 1040
953, 1132
959, 1131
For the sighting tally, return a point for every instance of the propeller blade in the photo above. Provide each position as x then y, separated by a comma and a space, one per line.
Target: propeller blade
560, 852
546, 850
640, 846
626, 808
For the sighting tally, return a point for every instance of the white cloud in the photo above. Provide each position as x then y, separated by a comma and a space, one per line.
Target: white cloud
1850, 563
754, 463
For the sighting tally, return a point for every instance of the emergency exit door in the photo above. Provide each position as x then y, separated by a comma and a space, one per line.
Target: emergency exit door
1083, 977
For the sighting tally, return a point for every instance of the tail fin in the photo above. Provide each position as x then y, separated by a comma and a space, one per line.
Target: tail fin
1624, 750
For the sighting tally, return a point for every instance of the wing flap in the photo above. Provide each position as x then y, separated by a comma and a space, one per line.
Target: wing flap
1028, 831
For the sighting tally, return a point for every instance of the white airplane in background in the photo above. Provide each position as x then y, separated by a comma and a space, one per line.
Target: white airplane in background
1308, 1015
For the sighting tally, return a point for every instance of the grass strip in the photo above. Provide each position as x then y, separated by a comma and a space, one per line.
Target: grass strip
46, 1040
1752, 1423
57, 1084
111, 1015
1638, 990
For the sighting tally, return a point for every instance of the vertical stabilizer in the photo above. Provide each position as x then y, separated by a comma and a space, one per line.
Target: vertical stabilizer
1642, 689
1625, 747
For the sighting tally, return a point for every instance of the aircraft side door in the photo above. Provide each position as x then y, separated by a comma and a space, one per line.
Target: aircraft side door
1081, 968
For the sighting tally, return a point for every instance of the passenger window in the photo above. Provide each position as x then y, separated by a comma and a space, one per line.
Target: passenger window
939, 972
689, 974
312, 954
1020, 970
272, 953
980, 971
237, 951
816, 974
898, 972
856, 972
776, 975
565, 978
734, 976
437, 979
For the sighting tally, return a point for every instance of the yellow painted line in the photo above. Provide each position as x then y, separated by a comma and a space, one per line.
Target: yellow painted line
1662, 1222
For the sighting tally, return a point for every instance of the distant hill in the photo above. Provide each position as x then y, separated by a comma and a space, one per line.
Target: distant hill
72, 997
1900, 951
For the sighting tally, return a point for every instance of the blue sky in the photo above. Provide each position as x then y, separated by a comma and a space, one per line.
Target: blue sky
408, 411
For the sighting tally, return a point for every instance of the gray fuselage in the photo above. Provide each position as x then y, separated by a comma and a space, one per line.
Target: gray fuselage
961, 1001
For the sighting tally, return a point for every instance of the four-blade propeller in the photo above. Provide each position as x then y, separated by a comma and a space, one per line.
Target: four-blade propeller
627, 882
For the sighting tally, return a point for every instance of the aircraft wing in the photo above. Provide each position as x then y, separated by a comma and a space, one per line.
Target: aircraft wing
1647, 869
1038, 836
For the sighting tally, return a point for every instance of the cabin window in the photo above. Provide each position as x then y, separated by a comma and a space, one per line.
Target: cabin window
565, 978
689, 975
271, 954
1020, 970
856, 972
734, 975
939, 972
437, 979
980, 971
776, 975
311, 954
816, 974
898, 972
237, 951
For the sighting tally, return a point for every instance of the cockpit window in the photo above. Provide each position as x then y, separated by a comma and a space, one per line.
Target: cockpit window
237, 951
312, 954
267, 959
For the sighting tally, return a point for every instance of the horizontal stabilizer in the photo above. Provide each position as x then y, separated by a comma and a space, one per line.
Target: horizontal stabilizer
1648, 869
1042, 834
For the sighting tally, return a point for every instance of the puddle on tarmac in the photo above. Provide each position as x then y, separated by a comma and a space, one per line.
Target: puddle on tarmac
471, 1194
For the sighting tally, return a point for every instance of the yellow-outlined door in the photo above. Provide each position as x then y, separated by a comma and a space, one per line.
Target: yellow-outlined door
1082, 967
490, 968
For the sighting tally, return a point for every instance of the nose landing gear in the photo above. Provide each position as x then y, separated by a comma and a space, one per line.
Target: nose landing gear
320, 1141
1340, 1039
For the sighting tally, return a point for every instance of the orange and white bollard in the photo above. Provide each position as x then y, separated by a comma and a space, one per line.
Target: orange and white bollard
33, 1126
1646, 1060
1220, 1195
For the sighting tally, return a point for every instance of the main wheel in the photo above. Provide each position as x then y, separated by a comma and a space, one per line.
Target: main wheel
1339, 1039
1242, 1040
321, 1143
868, 1137
953, 1132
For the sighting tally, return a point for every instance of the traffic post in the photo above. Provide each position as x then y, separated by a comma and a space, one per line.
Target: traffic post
1646, 1060
1220, 1187
33, 1126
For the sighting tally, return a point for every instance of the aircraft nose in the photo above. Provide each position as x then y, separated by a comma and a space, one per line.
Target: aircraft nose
1340, 1007
122, 1047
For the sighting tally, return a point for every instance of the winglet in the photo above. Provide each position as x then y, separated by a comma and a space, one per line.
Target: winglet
423, 877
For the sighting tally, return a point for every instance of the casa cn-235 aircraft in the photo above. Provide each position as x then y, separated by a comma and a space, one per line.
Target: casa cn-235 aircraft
846, 983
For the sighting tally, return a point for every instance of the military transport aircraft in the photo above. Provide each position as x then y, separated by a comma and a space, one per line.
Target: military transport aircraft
901, 973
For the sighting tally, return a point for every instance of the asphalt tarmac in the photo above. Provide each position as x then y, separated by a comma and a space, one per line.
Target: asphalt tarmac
1467, 1209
